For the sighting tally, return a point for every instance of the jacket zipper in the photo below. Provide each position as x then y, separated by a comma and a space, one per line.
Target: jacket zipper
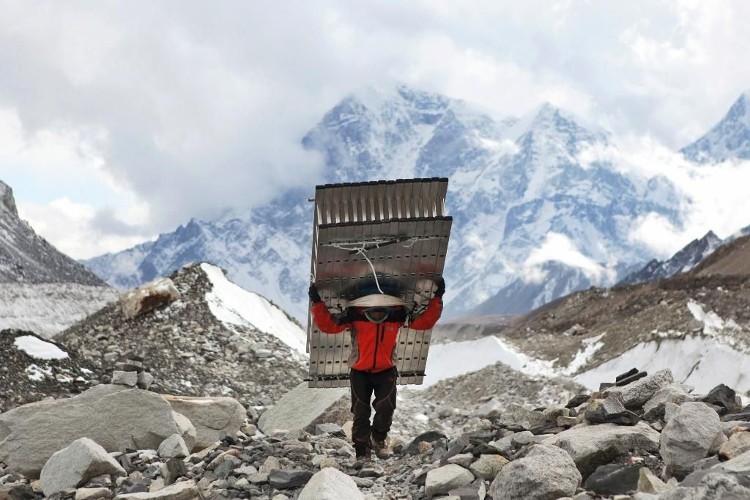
378, 334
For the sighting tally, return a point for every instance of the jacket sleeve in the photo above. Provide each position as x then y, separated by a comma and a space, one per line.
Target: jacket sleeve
325, 321
429, 317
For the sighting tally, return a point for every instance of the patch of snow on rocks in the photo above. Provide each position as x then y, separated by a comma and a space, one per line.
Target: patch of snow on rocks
234, 305
37, 373
458, 358
590, 347
695, 360
38, 348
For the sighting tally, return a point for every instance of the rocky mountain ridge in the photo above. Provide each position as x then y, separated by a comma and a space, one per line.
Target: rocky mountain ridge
41, 289
25, 257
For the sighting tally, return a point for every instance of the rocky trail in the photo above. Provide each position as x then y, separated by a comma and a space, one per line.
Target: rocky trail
648, 439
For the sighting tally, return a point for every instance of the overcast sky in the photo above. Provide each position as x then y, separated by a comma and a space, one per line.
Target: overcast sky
120, 120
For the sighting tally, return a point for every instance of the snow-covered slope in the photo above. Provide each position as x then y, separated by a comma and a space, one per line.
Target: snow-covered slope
47, 309
234, 305
730, 138
527, 208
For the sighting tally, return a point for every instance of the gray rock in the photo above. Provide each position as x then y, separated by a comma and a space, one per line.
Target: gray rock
595, 445
330, 484
93, 493
738, 443
289, 478
332, 429
614, 479
210, 416
116, 417
688, 437
715, 486
463, 459
184, 490
443, 479
609, 410
145, 379
488, 466
299, 408
74, 465
636, 394
545, 473
173, 446
673, 393
129, 379
649, 483
518, 415
148, 297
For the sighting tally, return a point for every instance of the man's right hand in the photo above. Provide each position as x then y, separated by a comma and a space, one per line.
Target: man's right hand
312, 292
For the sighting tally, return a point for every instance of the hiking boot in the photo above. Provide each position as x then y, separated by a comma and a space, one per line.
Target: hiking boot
380, 448
364, 456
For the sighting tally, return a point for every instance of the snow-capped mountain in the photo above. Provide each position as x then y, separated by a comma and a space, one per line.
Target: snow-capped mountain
730, 138
684, 260
530, 212
42, 289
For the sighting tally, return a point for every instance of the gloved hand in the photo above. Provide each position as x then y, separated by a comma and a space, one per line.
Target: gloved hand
440, 287
312, 292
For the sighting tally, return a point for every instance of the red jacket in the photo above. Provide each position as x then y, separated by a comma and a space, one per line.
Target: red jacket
373, 344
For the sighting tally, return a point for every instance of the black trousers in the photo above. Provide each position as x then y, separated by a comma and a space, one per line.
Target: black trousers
363, 385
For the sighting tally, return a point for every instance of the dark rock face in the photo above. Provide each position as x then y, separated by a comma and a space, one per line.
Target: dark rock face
26, 257
613, 479
684, 260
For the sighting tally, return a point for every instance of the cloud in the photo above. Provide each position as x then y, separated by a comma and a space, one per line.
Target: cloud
188, 108
558, 248
78, 229
709, 197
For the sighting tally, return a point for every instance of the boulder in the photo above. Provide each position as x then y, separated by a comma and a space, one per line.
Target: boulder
448, 477
516, 414
301, 408
545, 473
609, 410
595, 445
129, 379
738, 443
283, 479
184, 490
330, 484
173, 446
636, 394
614, 479
649, 483
148, 297
75, 464
116, 417
688, 437
724, 398
210, 416
673, 393
413, 448
488, 466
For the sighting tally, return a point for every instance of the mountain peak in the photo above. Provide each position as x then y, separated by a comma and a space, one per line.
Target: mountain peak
730, 138
6, 199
